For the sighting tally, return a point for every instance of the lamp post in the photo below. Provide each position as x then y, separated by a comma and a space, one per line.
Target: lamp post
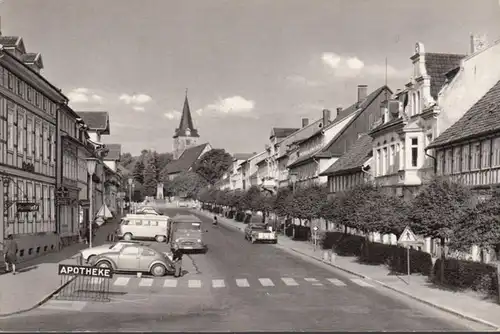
91, 166
130, 183
293, 179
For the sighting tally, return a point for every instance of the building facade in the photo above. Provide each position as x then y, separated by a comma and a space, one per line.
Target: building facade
28, 108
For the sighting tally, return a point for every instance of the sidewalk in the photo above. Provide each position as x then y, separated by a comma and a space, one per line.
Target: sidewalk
37, 279
468, 305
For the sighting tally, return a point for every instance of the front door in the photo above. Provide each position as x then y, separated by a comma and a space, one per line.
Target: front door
147, 256
129, 259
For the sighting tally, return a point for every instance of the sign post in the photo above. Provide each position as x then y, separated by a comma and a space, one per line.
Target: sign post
407, 239
315, 236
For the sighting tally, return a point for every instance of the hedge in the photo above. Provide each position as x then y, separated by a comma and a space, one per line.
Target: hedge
376, 253
464, 275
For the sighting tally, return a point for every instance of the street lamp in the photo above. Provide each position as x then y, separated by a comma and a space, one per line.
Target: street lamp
91, 166
130, 183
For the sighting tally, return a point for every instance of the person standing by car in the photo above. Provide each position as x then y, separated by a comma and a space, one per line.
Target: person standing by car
10, 254
177, 259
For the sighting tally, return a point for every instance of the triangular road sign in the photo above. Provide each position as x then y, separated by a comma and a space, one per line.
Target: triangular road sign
407, 236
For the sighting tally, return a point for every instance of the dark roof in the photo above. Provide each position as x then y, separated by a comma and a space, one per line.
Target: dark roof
30, 57
242, 156
437, 66
358, 108
186, 160
354, 158
186, 122
482, 118
96, 120
9, 41
114, 153
282, 132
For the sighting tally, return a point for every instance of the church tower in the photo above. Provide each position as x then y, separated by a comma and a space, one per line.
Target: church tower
185, 136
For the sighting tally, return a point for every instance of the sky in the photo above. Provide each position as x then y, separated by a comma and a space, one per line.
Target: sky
248, 65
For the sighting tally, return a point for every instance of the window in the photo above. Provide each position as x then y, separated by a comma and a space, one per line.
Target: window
45, 143
414, 152
29, 94
496, 152
475, 156
20, 87
485, 154
384, 160
10, 130
130, 251
37, 98
37, 141
148, 252
29, 187
396, 158
10, 81
419, 108
21, 133
379, 162
44, 103
392, 152
448, 162
38, 199
465, 158
457, 162
29, 137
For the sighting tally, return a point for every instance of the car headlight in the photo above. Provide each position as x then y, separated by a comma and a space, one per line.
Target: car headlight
177, 240
199, 241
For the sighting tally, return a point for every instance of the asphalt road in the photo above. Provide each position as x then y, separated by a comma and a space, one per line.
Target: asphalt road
239, 286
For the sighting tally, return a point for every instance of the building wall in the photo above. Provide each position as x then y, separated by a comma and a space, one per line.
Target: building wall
111, 164
183, 143
345, 182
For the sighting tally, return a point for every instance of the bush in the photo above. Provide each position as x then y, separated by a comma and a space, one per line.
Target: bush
462, 274
231, 214
240, 216
247, 218
302, 233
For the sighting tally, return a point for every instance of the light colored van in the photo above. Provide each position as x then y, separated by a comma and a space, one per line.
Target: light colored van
140, 227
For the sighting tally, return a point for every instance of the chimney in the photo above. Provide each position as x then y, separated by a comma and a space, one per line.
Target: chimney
362, 92
305, 122
339, 110
477, 42
326, 117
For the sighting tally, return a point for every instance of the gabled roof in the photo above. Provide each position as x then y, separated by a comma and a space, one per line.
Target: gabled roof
242, 156
186, 123
114, 153
437, 66
298, 135
10, 41
282, 132
358, 108
354, 158
482, 118
96, 120
186, 160
30, 57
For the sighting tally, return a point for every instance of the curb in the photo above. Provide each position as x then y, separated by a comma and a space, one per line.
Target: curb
40, 303
439, 307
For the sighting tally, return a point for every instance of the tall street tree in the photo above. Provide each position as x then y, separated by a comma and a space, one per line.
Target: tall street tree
213, 164
150, 176
138, 172
187, 184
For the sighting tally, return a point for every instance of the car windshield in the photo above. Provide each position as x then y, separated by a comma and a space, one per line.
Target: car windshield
188, 226
259, 227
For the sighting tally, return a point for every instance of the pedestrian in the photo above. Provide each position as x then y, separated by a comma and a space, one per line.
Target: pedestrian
10, 254
177, 259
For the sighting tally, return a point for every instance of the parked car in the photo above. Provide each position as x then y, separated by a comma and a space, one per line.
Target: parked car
89, 254
259, 232
136, 258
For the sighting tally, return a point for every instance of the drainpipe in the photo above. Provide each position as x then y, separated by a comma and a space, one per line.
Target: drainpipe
433, 158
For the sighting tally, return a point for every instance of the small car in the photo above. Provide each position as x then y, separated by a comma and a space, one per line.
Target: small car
89, 253
136, 258
258, 232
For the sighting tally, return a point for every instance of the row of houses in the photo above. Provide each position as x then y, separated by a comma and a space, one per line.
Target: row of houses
44, 149
445, 121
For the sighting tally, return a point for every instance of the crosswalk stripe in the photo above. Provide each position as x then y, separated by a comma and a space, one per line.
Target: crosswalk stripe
218, 283
289, 281
310, 280
170, 283
242, 283
266, 282
146, 282
336, 282
194, 283
121, 281
360, 282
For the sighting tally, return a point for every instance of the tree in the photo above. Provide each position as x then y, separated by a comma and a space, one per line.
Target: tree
436, 210
138, 172
307, 202
252, 200
150, 173
235, 199
213, 164
282, 202
187, 184
332, 210
480, 226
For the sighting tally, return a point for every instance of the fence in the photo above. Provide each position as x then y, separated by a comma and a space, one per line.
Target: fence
85, 283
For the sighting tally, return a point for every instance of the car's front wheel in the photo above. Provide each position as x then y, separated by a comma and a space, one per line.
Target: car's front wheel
158, 270
104, 264
127, 237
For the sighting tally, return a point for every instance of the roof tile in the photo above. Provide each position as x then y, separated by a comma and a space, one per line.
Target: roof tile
437, 66
95, 120
483, 117
355, 157
115, 151
282, 132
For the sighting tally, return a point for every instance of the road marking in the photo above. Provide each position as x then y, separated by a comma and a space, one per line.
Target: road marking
336, 282
194, 283
146, 282
360, 282
170, 283
121, 281
289, 281
242, 283
266, 282
218, 283
312, 280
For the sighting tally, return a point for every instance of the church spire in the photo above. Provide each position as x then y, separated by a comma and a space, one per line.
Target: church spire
186, 126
